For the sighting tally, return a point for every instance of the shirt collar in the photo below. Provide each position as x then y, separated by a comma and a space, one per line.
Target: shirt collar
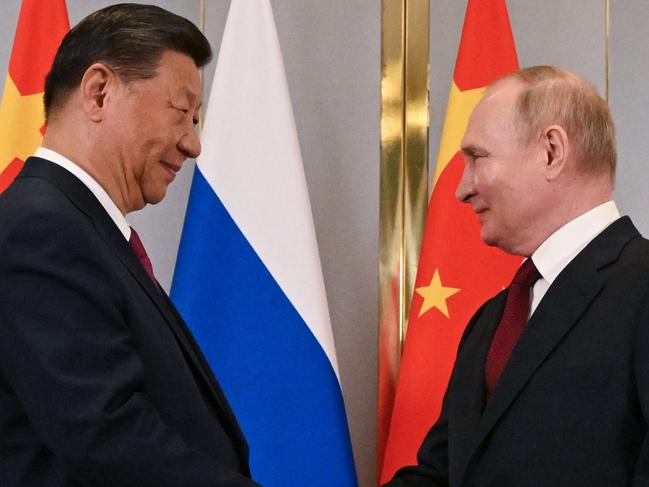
562, 246
96, 189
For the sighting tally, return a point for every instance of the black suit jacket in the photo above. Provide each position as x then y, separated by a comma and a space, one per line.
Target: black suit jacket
101, 382
572, 405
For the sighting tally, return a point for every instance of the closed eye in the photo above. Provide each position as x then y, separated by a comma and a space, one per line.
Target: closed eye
474, 156
185, 111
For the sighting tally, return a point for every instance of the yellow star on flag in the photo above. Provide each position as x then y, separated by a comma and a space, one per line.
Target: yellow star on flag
21, 118
435, 295
461, 105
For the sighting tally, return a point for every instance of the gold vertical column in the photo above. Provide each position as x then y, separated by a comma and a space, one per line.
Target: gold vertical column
404, 182
607, 46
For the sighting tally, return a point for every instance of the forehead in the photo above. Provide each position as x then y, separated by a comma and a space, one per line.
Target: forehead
494, 114
178, 73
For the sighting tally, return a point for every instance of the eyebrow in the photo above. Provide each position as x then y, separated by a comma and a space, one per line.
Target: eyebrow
469, 149
192, 97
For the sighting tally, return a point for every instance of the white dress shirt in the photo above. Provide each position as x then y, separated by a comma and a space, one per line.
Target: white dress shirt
562, 246
96, 189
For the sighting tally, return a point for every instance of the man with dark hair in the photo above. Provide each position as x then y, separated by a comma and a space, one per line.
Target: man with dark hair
551, 382
101, 382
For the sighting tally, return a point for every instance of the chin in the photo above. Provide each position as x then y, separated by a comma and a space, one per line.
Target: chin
488, 238
154, 199
157, 192
508, 247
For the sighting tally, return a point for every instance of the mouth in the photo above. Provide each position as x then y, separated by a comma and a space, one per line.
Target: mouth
171, 169
480, 212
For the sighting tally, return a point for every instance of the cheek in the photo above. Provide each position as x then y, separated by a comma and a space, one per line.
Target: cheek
487, 180
151, 146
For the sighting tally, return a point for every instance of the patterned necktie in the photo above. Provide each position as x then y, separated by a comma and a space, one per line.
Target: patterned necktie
512, 324
138, 248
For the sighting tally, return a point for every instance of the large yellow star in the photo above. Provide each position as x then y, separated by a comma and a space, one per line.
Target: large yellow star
435, 295
458, 110
21, 118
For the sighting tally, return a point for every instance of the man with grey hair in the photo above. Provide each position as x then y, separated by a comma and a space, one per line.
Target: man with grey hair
551, 382
101, 382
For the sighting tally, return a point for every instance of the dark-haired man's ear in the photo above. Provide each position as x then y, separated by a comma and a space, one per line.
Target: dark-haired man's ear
556, 146
94, 88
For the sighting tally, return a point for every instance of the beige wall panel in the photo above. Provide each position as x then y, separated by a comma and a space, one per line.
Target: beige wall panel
629, 99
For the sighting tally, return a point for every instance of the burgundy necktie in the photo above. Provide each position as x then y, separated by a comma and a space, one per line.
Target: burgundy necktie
138, 248
512, 324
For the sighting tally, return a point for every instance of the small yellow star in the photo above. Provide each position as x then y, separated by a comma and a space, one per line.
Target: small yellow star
435, 295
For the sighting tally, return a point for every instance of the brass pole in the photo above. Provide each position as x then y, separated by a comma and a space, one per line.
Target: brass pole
404, 182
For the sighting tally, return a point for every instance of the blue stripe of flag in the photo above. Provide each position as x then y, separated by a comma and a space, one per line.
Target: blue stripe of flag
274, 372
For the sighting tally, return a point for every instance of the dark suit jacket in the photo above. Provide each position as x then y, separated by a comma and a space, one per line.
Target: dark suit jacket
101, 383
572, 405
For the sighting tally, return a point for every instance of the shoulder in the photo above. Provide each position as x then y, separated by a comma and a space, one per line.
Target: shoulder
632, 264
41, 219
42, 229
33, 199
619, 253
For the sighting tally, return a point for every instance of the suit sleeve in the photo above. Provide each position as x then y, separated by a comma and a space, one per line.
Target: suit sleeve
67, 354
641, 365
432, 459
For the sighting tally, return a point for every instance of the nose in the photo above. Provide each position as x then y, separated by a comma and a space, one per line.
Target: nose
189, 144
465, 189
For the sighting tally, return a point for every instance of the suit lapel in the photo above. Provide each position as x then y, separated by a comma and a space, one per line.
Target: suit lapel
559, 310
116, 241
566, 300
86, 202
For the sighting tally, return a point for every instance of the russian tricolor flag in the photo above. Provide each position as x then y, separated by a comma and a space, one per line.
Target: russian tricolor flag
248, 279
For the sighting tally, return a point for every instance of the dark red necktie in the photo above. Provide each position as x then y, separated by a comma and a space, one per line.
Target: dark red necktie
138, 248
512, 324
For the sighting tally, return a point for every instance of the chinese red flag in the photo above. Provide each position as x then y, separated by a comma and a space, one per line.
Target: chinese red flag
41, 27
457, 272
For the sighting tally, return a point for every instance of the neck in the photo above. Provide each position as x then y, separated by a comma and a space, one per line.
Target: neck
561, 210
90, 159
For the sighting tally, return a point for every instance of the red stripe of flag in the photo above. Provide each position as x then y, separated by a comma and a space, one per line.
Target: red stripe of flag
41, 27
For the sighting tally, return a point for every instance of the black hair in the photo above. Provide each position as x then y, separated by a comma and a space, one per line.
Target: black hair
128, 38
